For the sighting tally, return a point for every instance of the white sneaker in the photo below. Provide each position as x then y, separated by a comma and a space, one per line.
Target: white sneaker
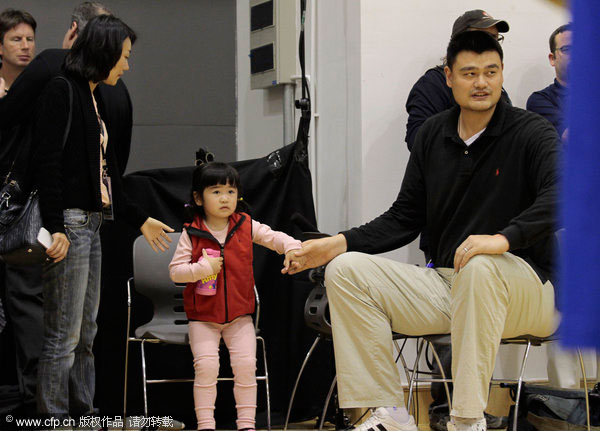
380, 420
463, 424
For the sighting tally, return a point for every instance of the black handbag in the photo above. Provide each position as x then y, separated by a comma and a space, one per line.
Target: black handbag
20, 217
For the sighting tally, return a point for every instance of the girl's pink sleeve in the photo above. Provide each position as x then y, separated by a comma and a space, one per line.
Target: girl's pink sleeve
275, 240
181, 268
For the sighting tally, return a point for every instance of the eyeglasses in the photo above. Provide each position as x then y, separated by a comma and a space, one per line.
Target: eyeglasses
500, 38
566, 50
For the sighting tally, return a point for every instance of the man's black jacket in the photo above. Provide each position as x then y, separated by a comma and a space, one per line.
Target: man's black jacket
505, 182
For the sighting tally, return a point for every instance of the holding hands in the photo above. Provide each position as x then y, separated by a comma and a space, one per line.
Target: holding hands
292, 262
314, 253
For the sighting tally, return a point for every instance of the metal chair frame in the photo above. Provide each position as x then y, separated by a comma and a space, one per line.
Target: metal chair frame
178, 320
527, 340
315, 314
316, 317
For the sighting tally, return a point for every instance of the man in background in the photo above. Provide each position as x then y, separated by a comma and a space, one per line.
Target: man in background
549, 101
17, 44
21, 293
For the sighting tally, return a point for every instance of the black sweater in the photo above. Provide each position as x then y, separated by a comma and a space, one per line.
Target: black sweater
70, 178
114, 103
505, 182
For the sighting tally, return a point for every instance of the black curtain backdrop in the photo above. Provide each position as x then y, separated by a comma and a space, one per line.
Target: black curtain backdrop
275, 187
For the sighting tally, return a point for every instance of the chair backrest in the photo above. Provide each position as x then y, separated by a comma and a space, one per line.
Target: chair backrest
151, 279
316, 310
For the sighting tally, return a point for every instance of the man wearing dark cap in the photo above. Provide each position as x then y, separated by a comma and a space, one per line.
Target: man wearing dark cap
429, 96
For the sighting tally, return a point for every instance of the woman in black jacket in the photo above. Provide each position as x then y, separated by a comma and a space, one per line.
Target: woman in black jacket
79, 186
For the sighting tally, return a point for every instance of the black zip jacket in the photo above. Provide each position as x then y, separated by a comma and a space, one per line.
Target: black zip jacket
70, 177
505, 182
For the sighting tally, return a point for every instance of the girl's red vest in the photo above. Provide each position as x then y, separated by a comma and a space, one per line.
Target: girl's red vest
235, 282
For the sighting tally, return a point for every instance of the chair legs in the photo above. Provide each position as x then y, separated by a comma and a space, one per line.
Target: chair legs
401, 357
445, 380
334, 382
331, 388
520, 385
266, 379
125, 382
310, 351
585, 390
413, 377
144, 378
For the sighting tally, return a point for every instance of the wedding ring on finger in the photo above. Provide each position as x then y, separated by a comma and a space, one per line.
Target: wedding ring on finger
466, 249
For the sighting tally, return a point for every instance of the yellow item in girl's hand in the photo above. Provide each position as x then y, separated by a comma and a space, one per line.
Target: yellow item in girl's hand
207, 286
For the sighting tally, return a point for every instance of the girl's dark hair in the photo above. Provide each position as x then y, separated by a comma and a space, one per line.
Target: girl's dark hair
212, 174
98, 48
476, 41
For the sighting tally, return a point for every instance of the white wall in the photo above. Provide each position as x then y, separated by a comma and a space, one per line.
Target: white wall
367, 55
259, 112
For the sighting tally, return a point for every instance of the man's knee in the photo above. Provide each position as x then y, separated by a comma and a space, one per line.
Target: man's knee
341, 267
479, 276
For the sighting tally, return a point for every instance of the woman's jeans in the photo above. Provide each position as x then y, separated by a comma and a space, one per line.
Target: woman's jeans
66, 378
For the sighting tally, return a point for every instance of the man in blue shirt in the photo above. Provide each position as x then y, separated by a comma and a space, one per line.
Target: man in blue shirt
549, 101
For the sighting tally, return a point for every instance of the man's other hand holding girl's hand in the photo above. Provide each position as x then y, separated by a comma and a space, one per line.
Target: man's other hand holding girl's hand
292, 263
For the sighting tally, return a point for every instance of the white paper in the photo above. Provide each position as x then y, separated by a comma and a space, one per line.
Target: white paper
44, 237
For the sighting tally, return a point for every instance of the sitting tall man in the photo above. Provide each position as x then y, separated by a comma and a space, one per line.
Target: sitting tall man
482, 180
549, 101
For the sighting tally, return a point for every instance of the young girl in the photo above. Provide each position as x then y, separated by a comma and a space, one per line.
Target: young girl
219, 225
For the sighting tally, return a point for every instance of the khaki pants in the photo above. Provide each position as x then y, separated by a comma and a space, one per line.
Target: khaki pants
492, 297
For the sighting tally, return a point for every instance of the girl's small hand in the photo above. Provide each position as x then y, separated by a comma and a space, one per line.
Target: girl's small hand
292, 262
59, 248
215, 262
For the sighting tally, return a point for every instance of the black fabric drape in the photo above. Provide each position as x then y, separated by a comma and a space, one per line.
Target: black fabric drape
275, 187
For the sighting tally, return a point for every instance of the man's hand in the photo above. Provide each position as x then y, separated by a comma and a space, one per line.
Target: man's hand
479, 244
215, 262
59, 248
292, 261
317, 252
155, 233
2, 88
